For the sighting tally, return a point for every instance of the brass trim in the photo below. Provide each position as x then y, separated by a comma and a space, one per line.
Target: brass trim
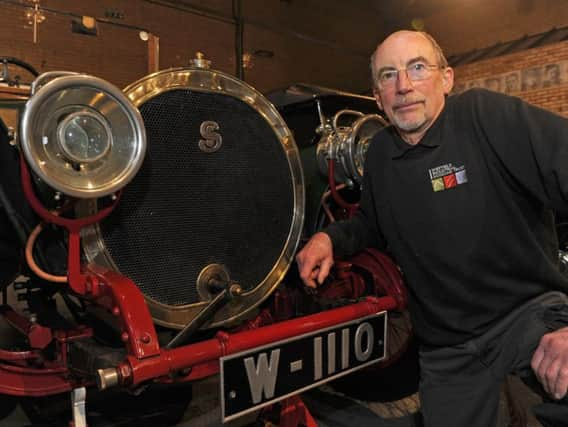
59, 94
212, 271
343, 144
211, 81
356, 136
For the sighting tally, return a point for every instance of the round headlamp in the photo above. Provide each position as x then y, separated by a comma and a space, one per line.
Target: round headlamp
348, 145
358, 143
82, 136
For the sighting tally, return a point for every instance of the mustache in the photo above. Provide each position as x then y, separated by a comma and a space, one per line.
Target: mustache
404, 101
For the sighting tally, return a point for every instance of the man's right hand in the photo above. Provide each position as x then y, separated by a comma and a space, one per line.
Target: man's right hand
315, 260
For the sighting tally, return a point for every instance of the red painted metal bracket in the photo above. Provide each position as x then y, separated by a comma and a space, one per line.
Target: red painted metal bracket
77, 280
170, 362
123, 299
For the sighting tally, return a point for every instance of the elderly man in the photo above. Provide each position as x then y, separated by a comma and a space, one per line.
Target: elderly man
461, 191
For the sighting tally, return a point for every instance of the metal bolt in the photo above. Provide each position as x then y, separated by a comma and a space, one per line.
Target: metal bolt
236, 290
107, 378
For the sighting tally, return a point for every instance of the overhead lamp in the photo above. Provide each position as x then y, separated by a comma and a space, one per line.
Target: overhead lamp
34, 17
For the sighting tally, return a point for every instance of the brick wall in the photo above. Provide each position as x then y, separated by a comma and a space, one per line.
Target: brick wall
538, 75
117, 53
320, 42
303, 50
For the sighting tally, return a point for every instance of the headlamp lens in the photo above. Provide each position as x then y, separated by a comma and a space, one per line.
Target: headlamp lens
84, 137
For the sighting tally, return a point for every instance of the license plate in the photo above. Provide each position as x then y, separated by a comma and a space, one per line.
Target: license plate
264, 375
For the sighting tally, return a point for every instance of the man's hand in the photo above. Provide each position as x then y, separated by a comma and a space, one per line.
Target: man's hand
550, 362
315, 260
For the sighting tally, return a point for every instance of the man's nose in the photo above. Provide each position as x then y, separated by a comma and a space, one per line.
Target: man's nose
403, 83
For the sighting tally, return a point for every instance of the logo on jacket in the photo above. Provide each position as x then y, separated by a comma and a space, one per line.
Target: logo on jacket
447, 176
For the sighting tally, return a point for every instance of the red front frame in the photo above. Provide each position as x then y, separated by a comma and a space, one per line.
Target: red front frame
27, 373
146, 361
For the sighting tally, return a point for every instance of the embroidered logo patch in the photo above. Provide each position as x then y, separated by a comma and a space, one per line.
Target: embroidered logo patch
447, 176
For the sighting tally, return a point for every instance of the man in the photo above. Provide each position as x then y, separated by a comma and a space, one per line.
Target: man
460, 190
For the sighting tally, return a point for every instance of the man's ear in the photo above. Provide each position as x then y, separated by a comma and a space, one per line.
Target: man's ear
447, 79
377, 96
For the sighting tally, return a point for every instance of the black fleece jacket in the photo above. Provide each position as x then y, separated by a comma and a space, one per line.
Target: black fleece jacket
467, 213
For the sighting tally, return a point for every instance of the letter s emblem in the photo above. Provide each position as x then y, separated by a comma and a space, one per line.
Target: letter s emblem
211, 141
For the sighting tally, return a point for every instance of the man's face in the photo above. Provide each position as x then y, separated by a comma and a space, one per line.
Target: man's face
411, 106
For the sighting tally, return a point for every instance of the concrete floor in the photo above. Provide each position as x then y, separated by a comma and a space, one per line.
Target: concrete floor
335, 409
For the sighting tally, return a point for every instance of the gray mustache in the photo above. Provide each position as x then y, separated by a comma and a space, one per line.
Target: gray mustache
406, 101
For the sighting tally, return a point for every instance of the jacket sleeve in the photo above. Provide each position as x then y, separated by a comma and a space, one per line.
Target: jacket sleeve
531, 143
361, 231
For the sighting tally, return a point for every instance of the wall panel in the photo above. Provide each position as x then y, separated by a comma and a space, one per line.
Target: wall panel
539, 76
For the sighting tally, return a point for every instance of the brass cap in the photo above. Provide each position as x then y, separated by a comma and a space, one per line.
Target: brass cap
199, 61
107, 378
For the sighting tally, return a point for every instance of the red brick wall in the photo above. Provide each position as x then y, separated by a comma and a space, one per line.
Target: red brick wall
117, 54
320, 42
312, 40
545, 67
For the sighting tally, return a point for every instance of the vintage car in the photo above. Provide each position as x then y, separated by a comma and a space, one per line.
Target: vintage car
148, 238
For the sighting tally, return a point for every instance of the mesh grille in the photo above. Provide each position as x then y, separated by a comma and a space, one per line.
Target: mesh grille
187, 209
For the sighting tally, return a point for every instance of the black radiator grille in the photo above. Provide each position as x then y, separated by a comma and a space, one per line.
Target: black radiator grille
187, 209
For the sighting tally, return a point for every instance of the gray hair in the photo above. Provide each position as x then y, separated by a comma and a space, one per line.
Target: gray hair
441, 59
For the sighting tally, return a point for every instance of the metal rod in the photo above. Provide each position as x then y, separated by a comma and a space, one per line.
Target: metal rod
136, 371
202, 317
36, 11
195, 10
153, 53
239, 31
211, 14
320, 113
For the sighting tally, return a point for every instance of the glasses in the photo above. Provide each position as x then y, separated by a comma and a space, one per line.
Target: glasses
415, 72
